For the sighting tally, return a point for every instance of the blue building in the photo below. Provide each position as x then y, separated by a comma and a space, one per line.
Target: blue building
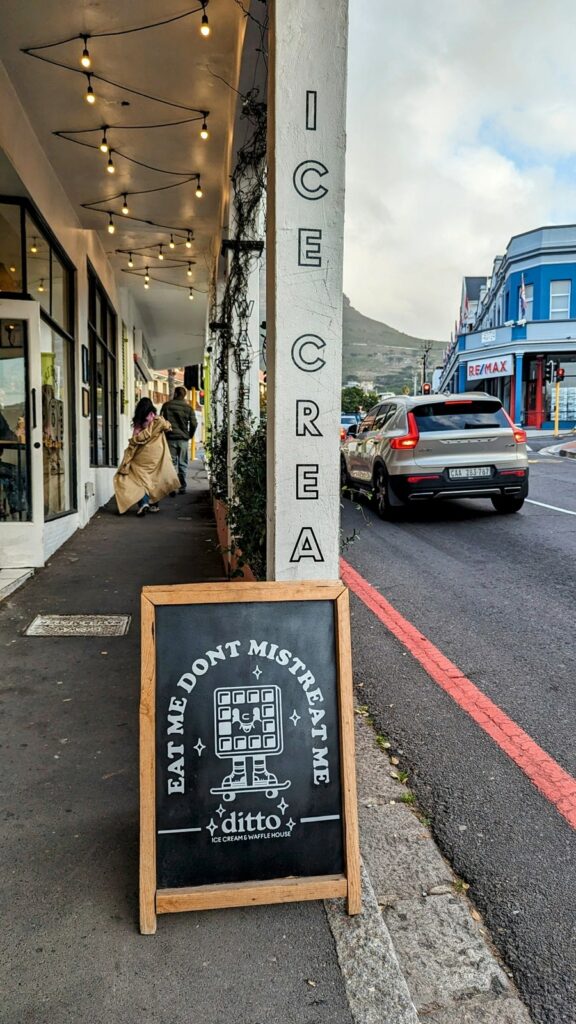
513, 323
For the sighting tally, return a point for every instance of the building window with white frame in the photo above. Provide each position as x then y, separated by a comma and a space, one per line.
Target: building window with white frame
560, 300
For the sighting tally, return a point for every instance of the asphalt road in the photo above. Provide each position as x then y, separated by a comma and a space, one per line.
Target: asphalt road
497, 595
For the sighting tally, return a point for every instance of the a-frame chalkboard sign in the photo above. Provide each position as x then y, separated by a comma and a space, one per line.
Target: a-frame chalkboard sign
247, 773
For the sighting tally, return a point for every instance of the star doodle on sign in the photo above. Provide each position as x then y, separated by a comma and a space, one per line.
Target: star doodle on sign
282, 805
220, 811
290, 823
200, 747
295, 717
257, 672
212, 827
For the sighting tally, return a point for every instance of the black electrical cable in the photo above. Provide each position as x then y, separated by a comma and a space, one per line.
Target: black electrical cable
192, 175
120, 32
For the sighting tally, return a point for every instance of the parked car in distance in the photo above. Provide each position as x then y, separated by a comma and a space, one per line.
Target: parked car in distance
426, 447
347, 420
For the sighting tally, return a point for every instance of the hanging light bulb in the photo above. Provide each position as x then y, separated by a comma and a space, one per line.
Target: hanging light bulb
41, 285
199, 193
146, 285
160, 253
189, 271
130, 260
110, 165
189, 241
34, 247
172, 243
111, 227
85, 58
89, 94
204, 133
191, 295
204, 25
125, 209
12, 269
146, 276
104, 144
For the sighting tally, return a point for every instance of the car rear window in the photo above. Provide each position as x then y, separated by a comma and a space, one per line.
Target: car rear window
465, 415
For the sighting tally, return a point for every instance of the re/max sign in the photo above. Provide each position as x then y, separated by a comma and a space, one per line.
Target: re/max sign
503, 366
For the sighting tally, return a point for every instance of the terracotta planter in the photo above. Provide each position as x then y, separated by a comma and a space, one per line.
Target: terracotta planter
224, 540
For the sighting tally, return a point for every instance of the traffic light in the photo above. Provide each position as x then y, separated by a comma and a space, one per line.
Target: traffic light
426, 388
559, 374
550, 367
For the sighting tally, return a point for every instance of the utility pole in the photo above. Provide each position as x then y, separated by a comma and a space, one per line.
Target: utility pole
426, 349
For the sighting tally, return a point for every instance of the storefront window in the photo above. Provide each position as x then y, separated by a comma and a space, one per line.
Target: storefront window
10, 249
37, 265
56, 422
102, 334
14, 429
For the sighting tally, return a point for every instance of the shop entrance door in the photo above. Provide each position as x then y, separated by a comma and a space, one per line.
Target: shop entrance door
21, 458
534, 397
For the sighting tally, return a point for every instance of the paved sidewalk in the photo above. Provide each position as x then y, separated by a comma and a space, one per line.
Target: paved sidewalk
71, 952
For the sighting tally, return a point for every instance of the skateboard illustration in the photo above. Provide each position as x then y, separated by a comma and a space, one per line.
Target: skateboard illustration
248, 729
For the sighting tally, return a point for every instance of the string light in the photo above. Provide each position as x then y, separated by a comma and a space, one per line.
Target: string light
85, 58
12, 269
172, 243
34, 247
190, 294
160, 253
189, 271
204, 133
110, 165
199, 193
189, 241
41, 285
204, 26
125, 209
130, 260
146, 285
146, 276
104, 143
111, 226
89, 95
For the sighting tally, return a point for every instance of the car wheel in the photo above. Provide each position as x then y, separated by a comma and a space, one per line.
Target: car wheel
381, 496
507, 505
345, 482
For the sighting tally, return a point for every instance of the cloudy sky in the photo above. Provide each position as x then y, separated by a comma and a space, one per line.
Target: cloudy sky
461, 133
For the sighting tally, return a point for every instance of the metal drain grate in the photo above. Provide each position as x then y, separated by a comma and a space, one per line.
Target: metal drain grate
79, 625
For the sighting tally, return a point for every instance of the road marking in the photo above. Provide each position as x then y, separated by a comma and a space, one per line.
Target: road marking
543, 771
553, 507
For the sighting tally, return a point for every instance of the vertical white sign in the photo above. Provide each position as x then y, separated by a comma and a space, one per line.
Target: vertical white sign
304, 242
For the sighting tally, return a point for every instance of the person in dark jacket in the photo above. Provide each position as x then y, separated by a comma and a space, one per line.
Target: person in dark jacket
182, 420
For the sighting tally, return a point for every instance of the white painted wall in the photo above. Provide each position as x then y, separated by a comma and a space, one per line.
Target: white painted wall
305, 202
22, 148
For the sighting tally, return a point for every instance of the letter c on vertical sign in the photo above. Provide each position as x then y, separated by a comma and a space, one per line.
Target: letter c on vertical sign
301, 355
306, 182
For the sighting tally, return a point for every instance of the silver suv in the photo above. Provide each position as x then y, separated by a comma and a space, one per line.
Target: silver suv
416, 448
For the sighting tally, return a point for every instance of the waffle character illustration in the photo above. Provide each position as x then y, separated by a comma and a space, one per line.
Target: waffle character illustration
248, 729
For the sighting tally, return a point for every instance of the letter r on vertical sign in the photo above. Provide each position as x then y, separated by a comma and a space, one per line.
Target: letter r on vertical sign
307, 412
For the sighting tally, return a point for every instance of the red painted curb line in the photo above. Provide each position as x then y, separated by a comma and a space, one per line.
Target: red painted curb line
549, 778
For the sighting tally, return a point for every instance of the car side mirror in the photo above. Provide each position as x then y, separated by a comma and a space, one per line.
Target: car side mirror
353, 429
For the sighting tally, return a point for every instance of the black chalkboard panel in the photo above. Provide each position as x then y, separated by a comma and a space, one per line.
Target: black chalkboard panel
243, 702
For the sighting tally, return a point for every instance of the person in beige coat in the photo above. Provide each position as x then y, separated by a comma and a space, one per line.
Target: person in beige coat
146, 473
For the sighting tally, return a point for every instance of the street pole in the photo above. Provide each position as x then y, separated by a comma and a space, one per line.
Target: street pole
193, 441
557, 409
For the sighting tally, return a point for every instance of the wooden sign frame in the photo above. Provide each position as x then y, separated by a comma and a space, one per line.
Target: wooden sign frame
155, 901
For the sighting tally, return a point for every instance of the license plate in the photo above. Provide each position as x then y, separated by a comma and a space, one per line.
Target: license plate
469, 472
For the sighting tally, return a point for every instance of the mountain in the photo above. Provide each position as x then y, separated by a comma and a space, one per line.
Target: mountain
374, 351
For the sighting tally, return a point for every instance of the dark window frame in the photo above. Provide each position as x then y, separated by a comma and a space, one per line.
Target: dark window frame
101, 342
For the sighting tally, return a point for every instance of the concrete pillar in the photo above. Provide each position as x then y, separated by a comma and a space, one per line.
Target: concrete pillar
304, 242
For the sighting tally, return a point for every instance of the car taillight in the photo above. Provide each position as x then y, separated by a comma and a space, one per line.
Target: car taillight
342, 434
512, 472
409, 440
519, 434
